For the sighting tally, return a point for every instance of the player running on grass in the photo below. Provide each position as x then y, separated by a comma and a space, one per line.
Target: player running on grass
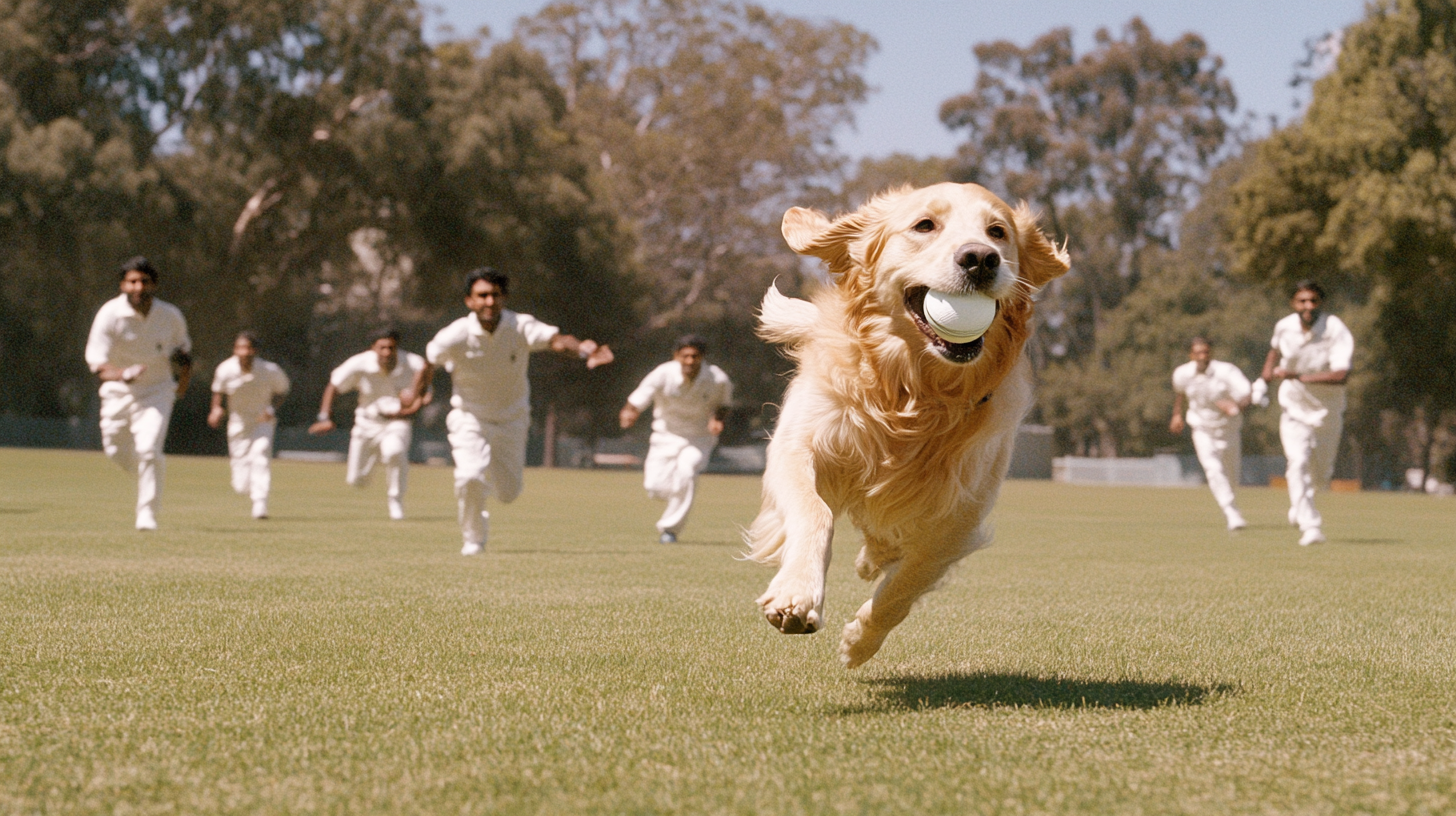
253, 388
1311, 352
1216, 392
487, 353
139, 349
689, 401
384, 377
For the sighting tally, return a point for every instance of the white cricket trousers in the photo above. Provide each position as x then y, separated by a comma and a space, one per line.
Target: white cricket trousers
490, 458
133, 430
250, 452
1220, 453
372, 442
1310, 452
671, 473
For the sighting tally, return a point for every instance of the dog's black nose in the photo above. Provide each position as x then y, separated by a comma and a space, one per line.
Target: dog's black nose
971, 257
979, 263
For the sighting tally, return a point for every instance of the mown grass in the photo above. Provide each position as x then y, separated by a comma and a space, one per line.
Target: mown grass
1115, 652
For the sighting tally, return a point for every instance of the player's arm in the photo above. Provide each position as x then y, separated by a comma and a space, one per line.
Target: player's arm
107, 372
595, 354
98, 353
216, 414
637, 401
627, 417
418, 395
271, 412
1176, 424
325, 421
1327, 377
1272, 370
181, 369
720, 413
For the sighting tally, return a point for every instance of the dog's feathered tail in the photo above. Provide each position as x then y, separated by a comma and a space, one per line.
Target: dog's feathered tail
785, 320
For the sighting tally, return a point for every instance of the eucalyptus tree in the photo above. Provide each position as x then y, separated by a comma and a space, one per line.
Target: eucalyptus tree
1361, 193
1111, 145
709, 118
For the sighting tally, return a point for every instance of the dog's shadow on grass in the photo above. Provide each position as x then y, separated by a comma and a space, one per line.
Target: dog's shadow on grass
986, 690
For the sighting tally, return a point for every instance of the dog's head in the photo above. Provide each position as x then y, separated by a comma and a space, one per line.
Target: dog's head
951, 238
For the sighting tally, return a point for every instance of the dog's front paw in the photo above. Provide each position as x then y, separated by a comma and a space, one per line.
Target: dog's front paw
858, 645
793, 613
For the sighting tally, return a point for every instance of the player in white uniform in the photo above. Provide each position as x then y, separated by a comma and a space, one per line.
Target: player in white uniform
1311, 352
486, 353
382, 431
688, 403
1216, 392
140, 350
253, 388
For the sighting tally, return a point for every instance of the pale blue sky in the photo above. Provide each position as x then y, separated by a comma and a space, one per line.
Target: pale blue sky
925, 48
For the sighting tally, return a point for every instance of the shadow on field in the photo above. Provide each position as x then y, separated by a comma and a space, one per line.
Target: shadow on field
1370, 541
1017, 690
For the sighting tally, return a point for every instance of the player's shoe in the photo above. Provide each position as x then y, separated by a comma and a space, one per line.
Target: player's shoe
667, 538
396, 509
145, 520
471, 548
260, 508
1311, 536
1235, 520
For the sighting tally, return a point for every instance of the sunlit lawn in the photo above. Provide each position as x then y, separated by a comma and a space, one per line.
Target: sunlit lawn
1115, 652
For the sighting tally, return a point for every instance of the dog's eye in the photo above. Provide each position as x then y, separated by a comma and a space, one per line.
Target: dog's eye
925, 225
997, 232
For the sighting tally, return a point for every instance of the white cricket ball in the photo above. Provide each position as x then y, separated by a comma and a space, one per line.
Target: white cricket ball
385, 406
959, 318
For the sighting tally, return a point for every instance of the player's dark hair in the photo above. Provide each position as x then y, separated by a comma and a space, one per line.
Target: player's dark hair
384, 333
250, 336
1199, 340
138, 263
691, 341
489, 275
1308, 285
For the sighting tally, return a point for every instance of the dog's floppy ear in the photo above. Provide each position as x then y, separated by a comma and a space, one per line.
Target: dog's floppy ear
1041, 260
809, 232
801, 227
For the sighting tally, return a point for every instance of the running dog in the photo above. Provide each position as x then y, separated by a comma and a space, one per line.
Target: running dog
907, 432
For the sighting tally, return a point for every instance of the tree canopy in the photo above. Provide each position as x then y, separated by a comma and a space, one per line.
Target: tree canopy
1361, 194
304, 169
1112, 145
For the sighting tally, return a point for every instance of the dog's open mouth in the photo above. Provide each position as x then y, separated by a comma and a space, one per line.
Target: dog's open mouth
954, 352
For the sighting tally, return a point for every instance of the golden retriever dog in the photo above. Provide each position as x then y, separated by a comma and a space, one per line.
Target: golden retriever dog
908, 433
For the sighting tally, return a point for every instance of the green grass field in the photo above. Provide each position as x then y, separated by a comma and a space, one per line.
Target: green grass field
1115, 652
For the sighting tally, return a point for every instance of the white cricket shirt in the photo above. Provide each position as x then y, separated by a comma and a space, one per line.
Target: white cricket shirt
680, 407
123, 337
363, 373
1328, 345
488, 369
1219, 381
249, 393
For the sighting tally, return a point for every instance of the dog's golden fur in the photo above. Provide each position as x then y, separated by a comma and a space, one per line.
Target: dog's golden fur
880, 422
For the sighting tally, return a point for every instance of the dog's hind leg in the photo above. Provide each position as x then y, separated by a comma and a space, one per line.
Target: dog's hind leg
794, 602
904, 582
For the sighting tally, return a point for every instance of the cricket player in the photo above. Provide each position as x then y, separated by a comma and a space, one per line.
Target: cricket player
1216, 392
486, 353
384, 377
1311, 352
689, 401
253, 389
139, 349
